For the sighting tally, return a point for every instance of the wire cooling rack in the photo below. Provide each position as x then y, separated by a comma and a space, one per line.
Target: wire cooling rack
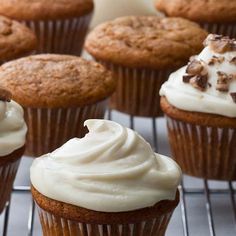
206, 207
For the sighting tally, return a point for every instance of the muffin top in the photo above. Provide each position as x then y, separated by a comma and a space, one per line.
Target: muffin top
45, 9
208, 83
146, 41
111, 169
15, 39
12, 125
56, 81
212, 11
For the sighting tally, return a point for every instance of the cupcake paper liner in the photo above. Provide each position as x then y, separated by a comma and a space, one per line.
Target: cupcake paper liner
61, 36
48, 129
220, 28
203, 151
137, 91
56, 226
8, 169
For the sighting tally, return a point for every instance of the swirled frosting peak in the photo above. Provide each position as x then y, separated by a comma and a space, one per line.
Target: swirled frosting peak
208, 83
12, 125
111, 169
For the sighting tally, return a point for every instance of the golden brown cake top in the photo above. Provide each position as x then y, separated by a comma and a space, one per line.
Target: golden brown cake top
15, 39
215, 11
45, 9
56, 81
146, 41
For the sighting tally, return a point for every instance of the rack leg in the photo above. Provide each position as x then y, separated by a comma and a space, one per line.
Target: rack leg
231, 189
154, 129
209, 209
31, 219
183, 209
6, 218
131, 122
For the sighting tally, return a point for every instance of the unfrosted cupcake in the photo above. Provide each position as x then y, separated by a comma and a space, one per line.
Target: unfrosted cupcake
216, 16
142, 51
58, 93
199, 101
12, 143
60, 25
108, 183
16, 40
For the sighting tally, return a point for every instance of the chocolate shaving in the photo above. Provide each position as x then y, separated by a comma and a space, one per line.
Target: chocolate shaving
199, 82
186, 78
5, 95
223, 81
220, 44
233, 95
195, 67
215, 60
233, 61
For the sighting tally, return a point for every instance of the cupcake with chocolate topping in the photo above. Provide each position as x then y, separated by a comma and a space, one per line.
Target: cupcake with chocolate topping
216, 16
108, 181
12, 143
199, 101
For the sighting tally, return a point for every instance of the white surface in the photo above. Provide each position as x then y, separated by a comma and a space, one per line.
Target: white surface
222, 208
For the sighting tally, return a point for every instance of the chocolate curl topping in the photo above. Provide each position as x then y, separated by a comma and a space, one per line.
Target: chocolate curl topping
223, 81
233, 95
5, 95
233, 61
197, 75
199, 82
215, 60
220, 44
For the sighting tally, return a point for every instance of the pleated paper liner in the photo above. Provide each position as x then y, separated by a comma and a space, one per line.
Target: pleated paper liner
155, 224
204, 147
61, 36
8, 169
48, 129
137, 91
227, 29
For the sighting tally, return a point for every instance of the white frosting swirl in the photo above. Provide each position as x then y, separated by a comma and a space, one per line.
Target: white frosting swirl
111, 169
106, 10
12, 127
184, 96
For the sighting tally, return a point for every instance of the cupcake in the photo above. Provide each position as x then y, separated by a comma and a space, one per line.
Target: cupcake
60, 26
58, 93
199, 101
216, 16
12, 143
108, 183
16, 40
108, 10
142, 51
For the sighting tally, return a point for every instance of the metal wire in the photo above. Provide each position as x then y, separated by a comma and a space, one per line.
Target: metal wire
184, 193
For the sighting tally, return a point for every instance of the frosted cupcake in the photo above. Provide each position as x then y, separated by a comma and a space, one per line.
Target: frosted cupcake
108, 181
199, 101
12, 143
60, 25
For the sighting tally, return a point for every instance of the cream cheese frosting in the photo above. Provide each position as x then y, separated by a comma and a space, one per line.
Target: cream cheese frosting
111, 169
106, 10
211, 100
12, 127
